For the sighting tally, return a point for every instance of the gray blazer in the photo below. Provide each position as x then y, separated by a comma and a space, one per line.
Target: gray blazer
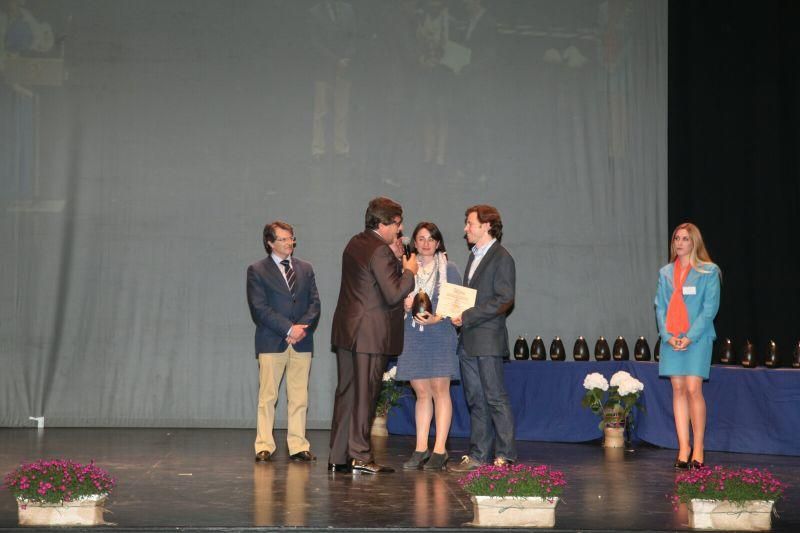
483, 330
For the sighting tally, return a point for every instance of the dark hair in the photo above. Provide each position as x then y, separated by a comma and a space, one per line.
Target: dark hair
487, 213
269, 232
381, 210
435, 235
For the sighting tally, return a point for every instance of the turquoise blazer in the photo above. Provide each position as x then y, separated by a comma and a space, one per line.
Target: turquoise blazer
702, 306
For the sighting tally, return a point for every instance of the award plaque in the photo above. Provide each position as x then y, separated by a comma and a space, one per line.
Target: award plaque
749, 355
772, 360
641, 350
601, 351
521, 349
621, 352
580, 352
538, 352
422, 304
726, 353
557, 350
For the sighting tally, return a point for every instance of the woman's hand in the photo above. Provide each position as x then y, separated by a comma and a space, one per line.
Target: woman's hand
679, 344
683, 343
427, 319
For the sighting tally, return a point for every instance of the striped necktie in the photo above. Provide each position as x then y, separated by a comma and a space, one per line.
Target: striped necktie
290, 277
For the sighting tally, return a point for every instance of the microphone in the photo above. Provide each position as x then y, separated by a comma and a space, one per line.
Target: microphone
406, 246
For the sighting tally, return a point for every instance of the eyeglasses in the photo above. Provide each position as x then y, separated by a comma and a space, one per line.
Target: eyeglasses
395, 222
283, 240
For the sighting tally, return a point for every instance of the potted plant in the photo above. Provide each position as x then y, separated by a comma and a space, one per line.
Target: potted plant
728, 498
613, 402
59, 492
515, 495
391, 392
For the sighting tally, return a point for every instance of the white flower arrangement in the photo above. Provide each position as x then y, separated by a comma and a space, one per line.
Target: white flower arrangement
595, 380
391, 392
614, 403
390, 374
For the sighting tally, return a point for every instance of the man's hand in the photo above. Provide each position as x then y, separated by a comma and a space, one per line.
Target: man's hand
408, 302
297, 333
411, 264
456, 320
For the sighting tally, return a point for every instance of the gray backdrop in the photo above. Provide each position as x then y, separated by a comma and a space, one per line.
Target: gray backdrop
140, 166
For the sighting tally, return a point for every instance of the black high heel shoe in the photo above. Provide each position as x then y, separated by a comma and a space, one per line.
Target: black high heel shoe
681, 465
696, 465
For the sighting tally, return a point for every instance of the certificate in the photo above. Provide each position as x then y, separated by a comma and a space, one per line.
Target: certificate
455, 299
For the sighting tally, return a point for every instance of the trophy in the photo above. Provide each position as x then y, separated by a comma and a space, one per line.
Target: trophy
422, 304
621, 352
538, 352
726, 355
601, 351
521, 349
796, 357
749, 355
557, 350
581, 350
772, 360
657, 351
641, 350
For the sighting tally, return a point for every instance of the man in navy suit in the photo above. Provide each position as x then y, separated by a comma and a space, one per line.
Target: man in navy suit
284, 304
484, 341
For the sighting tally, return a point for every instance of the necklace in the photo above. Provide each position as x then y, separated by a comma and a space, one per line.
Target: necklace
426, 276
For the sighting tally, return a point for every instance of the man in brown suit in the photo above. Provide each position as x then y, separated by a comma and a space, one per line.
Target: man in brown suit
367, 329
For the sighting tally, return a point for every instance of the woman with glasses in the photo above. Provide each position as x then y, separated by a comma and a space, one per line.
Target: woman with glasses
429, 359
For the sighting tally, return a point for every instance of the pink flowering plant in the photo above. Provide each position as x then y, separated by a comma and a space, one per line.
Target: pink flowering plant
736, 485
515, 480
57, 481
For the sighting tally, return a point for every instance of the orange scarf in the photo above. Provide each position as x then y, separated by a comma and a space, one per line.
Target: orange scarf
677, 315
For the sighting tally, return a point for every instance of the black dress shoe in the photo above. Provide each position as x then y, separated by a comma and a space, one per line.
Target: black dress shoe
304, 456
263, 456
370, 468
334, 467
681, 465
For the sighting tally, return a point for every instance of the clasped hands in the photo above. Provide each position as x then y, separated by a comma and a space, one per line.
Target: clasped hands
679, 344
297, 333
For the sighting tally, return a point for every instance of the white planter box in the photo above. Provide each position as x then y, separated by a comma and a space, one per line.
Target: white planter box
493, 511
755, 515
83, 512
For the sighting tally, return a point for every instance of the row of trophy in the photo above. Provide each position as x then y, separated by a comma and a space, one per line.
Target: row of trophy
750, 359
580, 351
641, 351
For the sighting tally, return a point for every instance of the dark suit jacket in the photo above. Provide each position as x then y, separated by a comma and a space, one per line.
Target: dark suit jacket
274, 310
369, 313
483, 330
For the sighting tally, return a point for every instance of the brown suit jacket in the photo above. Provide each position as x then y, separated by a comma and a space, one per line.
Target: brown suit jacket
369, 313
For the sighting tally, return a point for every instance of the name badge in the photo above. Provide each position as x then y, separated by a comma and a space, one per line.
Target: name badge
689, 290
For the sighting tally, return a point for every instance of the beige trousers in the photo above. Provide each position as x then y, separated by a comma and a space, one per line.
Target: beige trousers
271, 368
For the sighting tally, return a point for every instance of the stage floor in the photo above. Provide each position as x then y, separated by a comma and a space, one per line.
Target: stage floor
206, 479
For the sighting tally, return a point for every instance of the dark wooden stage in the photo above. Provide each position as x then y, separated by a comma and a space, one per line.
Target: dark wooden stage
205, 479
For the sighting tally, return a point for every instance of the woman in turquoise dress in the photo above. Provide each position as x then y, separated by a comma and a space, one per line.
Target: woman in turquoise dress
687, 300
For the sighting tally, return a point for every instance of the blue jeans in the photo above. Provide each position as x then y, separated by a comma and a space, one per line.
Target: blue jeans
490, 416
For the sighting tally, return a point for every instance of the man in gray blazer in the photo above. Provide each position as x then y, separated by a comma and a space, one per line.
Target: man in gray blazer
284, 304
483, 341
